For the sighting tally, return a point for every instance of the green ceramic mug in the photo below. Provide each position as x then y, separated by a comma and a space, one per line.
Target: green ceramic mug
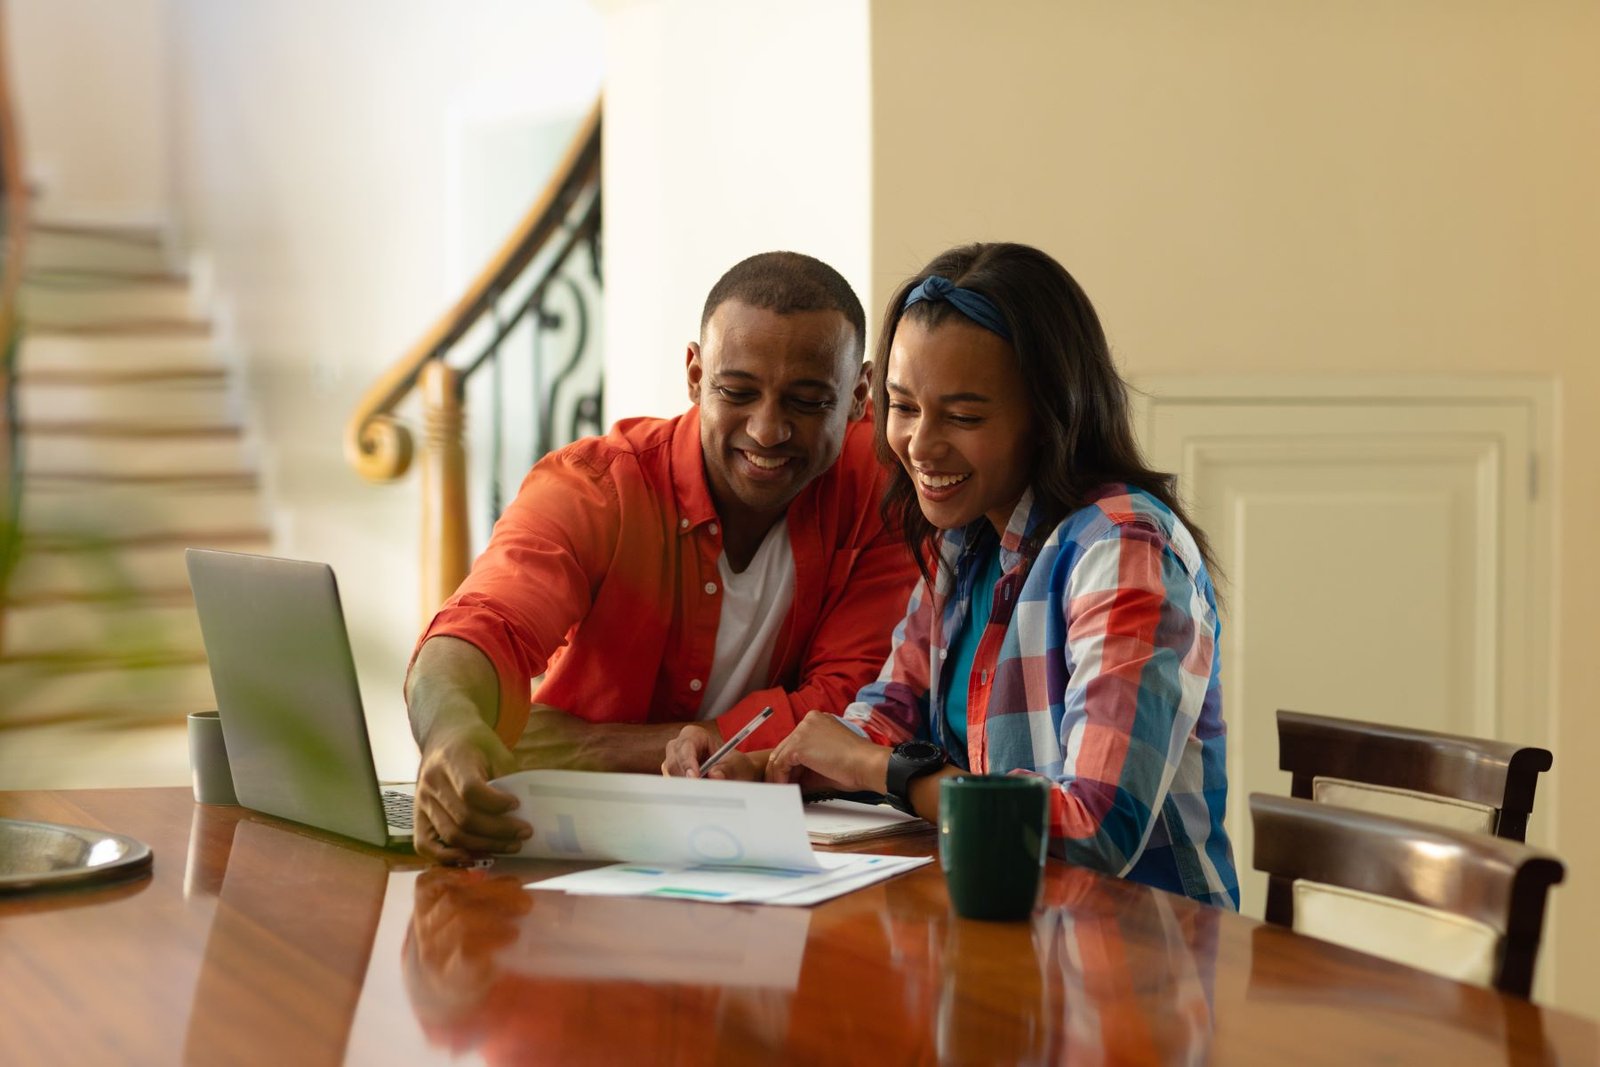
993, 835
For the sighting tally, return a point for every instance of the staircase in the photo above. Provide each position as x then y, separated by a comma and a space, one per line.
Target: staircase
133, 450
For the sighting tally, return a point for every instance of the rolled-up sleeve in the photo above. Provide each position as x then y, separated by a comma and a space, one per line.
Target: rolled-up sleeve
536, 579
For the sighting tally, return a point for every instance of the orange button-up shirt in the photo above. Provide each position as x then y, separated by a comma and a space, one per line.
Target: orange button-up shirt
602, 576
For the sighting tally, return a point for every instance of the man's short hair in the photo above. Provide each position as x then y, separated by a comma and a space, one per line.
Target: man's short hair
785, 283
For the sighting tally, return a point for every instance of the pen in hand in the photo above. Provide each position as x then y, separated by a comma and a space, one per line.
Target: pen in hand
727, 746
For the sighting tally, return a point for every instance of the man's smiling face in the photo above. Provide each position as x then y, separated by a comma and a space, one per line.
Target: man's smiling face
776, 394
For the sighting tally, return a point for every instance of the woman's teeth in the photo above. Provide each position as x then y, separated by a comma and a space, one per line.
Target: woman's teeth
942, 481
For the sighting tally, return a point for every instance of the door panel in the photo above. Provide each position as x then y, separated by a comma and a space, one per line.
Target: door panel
1375, 560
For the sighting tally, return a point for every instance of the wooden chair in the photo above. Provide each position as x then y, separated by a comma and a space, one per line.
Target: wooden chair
1461, 782
1464, 905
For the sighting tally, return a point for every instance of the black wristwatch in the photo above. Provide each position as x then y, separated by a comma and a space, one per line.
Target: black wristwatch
911, 760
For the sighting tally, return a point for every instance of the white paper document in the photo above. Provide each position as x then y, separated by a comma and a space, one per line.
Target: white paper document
648, 818
684, 838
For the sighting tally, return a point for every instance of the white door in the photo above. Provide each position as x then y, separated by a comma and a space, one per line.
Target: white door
1380, 552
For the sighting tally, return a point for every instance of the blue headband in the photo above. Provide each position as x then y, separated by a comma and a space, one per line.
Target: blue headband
971, 303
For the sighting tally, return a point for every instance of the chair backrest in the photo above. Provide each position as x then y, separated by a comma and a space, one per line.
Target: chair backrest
1465, 783
1465, 905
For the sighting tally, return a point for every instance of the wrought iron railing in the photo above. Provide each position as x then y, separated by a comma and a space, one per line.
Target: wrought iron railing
522, 345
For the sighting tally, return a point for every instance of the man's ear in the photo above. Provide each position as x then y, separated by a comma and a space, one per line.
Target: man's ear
863, 389
694, 370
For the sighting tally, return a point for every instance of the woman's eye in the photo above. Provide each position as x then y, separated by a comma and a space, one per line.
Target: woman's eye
902, 409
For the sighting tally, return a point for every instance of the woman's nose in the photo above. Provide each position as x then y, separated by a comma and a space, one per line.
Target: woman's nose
923, 444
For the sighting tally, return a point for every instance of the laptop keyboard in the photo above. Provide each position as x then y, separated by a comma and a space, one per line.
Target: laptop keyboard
397, 809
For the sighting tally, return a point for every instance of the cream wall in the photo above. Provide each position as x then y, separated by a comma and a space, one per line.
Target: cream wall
318, 166
731, 128
1294, 187
90, 85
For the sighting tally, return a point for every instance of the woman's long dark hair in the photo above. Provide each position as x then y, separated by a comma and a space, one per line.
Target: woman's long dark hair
1080, 402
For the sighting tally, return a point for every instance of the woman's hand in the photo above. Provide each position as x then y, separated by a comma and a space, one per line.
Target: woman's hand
824, 754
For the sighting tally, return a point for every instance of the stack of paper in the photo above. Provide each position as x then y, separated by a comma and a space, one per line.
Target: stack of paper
840, 822
688, 838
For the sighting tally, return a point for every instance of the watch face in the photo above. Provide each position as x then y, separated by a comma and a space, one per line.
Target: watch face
918, 750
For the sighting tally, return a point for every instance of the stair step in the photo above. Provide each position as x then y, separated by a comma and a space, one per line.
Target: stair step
68, 480
56, 632
128, 450
185, 351
175, 595
84, 300
35, 696
120, 327
92, 276
53, 246
190, 400
55, 507
64, 567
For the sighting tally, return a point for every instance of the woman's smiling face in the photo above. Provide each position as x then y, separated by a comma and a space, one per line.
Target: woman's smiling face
959, 421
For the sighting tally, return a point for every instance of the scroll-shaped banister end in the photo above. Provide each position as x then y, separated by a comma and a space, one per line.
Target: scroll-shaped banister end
379, 447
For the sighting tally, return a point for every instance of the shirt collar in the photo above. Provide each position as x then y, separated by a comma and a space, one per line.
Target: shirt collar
1025, 519
689, 486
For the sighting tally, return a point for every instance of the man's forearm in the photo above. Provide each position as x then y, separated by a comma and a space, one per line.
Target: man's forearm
558, 739
451, 684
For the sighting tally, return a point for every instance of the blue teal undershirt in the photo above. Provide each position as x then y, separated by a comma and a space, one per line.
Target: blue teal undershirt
965, 645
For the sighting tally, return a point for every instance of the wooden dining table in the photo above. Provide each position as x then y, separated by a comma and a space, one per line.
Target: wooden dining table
255, 940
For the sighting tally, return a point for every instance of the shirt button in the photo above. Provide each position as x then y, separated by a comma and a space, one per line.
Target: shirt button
713, 529
711, 588
683, 524
696, 684
943, 652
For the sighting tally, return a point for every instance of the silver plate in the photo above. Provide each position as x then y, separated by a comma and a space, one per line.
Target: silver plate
37, 855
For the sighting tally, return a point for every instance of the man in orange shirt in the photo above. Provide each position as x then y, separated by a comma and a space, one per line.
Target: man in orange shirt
686, 570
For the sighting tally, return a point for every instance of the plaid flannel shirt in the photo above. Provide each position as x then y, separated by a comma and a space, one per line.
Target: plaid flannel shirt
1099, 669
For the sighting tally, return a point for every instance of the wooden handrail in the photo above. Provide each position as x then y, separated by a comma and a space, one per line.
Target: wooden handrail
377, 444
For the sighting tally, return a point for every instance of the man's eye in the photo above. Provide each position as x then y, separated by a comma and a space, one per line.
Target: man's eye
966, 420
809, 406
735, 396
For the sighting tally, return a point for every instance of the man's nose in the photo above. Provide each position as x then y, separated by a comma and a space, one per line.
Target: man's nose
768, 426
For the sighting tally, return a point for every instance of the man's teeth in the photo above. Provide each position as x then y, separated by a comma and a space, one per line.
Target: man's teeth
766, 463
942, 481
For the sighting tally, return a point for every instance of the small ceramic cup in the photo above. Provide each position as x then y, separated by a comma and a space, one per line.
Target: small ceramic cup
208, 760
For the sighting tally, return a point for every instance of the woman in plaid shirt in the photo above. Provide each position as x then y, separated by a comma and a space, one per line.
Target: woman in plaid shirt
1066, 625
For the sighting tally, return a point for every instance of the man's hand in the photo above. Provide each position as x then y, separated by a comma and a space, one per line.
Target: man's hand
694, 743
699, 740
457, 812
824, 754
458, 922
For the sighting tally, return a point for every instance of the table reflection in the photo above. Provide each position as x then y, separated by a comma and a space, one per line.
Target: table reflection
512, 973
269, 979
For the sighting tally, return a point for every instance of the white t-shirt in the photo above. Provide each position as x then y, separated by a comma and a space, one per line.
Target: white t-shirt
755, 602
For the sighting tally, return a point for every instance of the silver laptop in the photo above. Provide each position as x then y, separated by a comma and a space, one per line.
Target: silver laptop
287, 696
